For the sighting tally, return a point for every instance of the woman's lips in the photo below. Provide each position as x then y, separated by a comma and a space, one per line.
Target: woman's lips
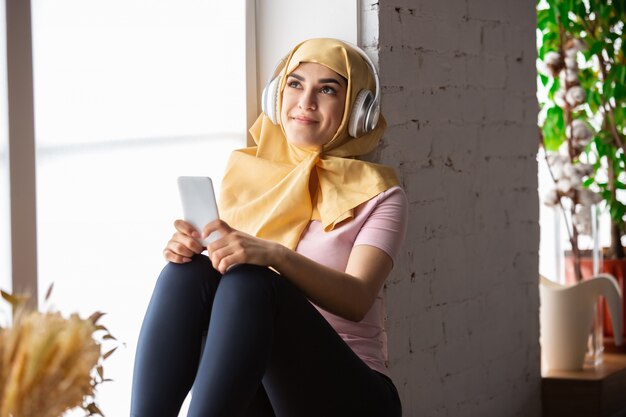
304, 120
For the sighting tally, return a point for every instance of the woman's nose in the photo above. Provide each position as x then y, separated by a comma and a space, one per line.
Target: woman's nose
307, 100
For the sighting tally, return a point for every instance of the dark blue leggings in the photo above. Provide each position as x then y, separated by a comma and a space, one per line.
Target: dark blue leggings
268, 351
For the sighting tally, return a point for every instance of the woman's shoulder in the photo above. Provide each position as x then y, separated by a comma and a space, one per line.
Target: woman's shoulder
393, 193
392, 197
390, 205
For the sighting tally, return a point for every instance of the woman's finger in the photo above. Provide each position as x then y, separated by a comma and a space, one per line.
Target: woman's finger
187, 241
176, 258
228, 261
216, 255
216, 226
224, 241
186, 228
180, 249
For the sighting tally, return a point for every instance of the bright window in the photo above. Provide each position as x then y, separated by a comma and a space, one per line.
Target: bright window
129, 94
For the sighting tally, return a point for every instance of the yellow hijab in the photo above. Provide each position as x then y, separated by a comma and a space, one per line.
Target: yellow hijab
273, 190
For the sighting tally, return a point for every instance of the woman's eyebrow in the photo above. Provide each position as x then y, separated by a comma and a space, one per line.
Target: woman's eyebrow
328, 80
296, 76
321, 80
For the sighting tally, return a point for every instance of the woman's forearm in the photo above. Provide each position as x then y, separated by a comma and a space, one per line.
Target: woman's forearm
348, 294
337, 292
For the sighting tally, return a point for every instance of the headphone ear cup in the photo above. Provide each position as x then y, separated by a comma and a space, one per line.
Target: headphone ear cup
357, 125
373, 114
269, 100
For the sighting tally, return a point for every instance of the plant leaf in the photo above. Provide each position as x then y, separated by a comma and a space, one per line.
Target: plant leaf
49, 292
96, 316
109, 353
93, 409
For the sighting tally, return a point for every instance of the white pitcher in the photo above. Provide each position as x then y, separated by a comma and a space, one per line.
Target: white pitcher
566, 315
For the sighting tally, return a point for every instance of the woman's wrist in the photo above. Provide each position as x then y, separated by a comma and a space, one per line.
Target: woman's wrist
278, 255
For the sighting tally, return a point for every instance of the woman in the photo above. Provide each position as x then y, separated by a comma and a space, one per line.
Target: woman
289, 299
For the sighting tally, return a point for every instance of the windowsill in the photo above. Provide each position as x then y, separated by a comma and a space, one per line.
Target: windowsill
592, 392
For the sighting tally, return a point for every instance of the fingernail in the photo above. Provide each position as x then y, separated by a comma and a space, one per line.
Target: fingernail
195, 234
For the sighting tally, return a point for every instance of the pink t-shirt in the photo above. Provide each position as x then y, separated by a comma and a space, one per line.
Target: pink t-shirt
379, 222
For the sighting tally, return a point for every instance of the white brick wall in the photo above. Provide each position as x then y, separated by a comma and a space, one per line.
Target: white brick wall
458, 83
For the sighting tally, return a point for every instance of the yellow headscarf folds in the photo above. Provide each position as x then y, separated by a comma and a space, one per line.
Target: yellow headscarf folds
273, 190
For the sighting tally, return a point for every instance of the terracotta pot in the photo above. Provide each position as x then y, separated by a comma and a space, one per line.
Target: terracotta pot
614, 267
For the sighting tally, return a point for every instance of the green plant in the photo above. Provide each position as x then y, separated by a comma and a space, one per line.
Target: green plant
582, 62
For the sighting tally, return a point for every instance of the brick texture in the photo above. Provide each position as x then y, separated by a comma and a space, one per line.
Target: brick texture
458, 84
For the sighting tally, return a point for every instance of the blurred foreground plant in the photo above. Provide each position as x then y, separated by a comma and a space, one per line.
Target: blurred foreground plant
50, 364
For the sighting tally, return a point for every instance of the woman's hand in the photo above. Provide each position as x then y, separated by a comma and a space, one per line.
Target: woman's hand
182, 246
236, 247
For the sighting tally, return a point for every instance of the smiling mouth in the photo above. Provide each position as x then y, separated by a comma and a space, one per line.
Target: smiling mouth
304, 120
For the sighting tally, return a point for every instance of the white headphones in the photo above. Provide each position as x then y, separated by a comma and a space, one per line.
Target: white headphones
365, 110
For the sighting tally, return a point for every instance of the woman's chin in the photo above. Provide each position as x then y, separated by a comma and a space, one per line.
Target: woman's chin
306, 146
305, 143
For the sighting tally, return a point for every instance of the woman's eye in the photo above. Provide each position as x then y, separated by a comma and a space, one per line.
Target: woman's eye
293, 84
328, 90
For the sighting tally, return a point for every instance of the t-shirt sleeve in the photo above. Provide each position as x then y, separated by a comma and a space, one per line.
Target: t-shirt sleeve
385, 227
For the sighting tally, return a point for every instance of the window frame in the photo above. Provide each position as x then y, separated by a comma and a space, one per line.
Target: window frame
21, 147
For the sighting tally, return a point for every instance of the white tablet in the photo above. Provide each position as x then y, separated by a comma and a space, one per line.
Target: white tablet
199, 204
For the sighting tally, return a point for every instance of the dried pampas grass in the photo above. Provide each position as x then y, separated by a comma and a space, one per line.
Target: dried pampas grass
49, 364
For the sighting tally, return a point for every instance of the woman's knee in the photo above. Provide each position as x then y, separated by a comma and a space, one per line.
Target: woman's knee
190, 278
244, 280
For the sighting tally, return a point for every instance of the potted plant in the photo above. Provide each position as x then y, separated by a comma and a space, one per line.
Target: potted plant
582, 69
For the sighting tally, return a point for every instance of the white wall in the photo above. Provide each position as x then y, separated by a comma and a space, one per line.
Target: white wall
281, 24
458, 81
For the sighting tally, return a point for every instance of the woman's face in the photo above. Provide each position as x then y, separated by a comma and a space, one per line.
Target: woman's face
312, 107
